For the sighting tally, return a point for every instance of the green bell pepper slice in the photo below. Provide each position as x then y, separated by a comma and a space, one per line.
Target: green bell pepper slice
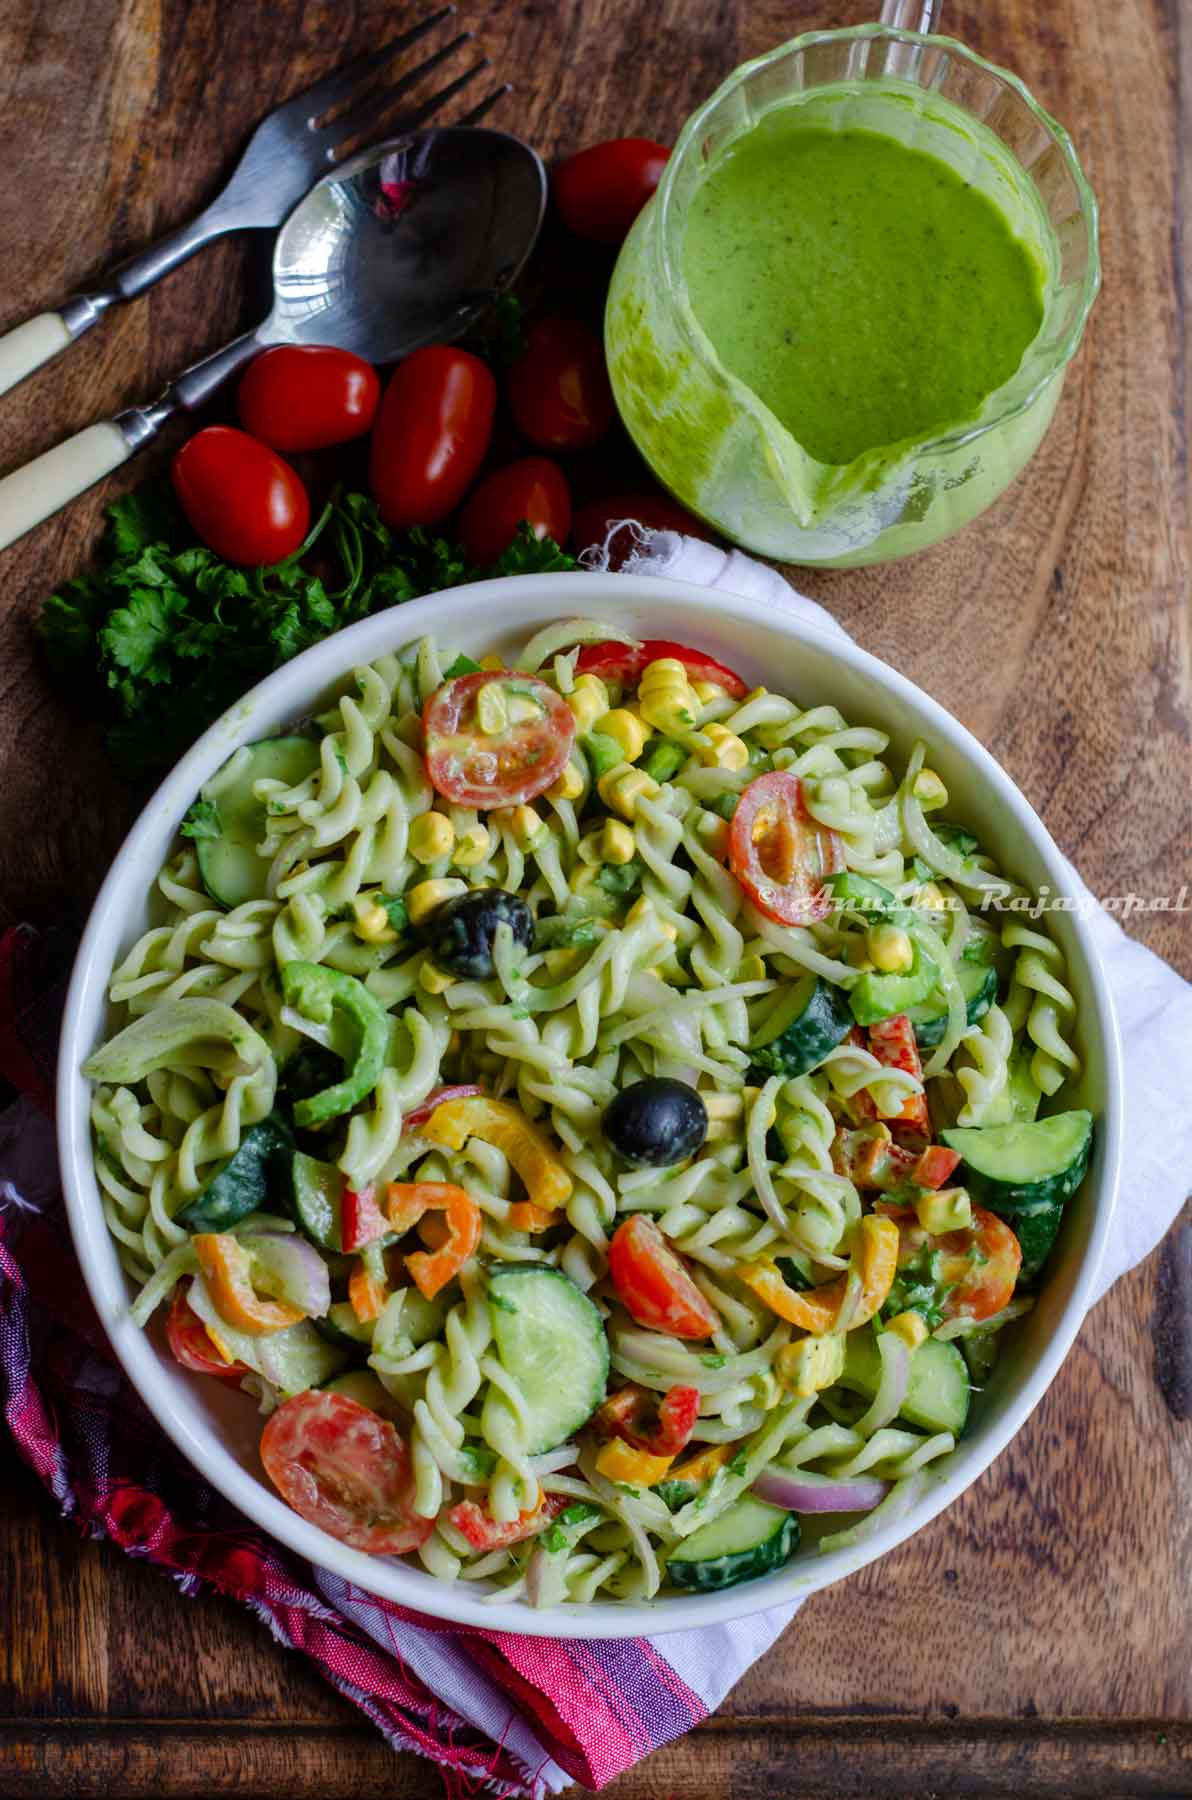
874, 996
316, 993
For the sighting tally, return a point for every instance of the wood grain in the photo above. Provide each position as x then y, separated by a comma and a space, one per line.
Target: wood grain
1034, 1640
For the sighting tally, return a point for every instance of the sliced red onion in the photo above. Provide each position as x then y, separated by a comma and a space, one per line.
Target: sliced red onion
804, 1492
895, 1353
292, 1269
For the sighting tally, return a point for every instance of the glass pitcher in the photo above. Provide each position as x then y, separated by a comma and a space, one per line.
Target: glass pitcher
714, 442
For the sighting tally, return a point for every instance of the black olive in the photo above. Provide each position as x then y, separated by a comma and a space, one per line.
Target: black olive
656, 1123
461, 932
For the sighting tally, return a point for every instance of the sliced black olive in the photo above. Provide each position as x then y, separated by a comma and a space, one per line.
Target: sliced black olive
656, 1123
461, 932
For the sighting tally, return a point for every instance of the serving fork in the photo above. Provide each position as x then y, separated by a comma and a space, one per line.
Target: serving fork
289, 151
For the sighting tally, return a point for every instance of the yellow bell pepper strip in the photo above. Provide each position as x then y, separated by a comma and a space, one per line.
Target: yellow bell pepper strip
545, 1179
366, 1293
227, 1269
430, 1271
703, 1465
818, 1309
619, 1461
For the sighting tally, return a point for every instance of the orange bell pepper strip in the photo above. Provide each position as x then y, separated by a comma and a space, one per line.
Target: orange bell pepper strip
528, 1148
818, 1309
366, 1293
430, 1271
525, 1216
227, 1270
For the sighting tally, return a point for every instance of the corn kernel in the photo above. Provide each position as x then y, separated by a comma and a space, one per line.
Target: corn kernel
492, 709
725, 750
372, 921
890, 949
929, 790
588, 701
431, 837
626, 729
617, 842
428, 896
645, 909
433, 979
569, 786
930, 898
707, 691
623, 786
492, 661
911, 1327
472, 846
525, 824
723, 1106
753, 968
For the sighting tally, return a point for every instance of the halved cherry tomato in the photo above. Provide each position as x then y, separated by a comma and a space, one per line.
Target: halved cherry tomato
346, 1470
625, 665
483, 769
652, 1283
657, 512
419, 1114
893, 1042
659, 1427
484, 1533
360, 1219
189, 1344
601, 190
407, 1201
431, 435
307, 396
532, 491
978, 1267
559, 392
778, 853
243, 501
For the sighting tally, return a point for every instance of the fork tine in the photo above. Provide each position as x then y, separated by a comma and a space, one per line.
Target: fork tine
342, 82
409, 120
378, 100
486, 105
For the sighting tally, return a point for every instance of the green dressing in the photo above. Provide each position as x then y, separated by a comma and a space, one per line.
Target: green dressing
864, 290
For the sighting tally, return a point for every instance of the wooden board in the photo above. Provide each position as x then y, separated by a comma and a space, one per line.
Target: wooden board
1035, 1640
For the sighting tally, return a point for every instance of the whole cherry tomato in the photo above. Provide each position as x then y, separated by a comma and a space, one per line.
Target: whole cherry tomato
431, 435
244, 502
558, 387
533, 489
307, 396
657, 512
601, 191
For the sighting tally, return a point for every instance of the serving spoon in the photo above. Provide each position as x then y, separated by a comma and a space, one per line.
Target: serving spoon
406, 244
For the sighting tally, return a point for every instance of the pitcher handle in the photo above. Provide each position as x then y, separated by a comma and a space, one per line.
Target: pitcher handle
911, 15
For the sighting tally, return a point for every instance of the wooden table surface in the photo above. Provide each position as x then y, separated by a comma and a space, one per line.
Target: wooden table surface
1036, 1640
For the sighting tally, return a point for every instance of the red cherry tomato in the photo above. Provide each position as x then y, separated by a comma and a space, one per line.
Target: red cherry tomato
657, 512
307, 396
559, 392
653, 1285
777, 852
660, 1427
484, 1533
243, 501
625, 665
189, 1344
431, 436
601, 191
533, 491
479, 768
978, 1266
345, 1469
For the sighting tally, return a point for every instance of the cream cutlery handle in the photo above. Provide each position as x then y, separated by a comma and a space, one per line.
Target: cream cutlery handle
27, 346
31, 494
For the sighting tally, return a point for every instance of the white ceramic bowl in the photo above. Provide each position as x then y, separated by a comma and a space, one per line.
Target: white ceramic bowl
218, 1430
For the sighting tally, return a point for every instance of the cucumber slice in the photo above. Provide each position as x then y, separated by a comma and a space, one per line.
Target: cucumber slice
978, 984
819, 1019
293, 1360
938, 1392
752, 1538
245, 1183
341, 1326
550, 1338
232, 869
1026, 1172
316, 1193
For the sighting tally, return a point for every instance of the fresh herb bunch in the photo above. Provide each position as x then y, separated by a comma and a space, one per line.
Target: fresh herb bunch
173, 635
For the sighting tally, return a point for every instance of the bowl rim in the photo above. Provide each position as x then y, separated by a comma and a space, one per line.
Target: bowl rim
536, 600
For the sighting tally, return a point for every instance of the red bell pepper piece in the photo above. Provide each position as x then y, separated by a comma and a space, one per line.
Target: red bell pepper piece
483, 1533
361, 1220
630, 1414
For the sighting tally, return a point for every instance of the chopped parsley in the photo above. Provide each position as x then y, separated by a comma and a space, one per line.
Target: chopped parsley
201, 821
919, 1287
395, 911
463, 665
738, 1465
715, 1361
